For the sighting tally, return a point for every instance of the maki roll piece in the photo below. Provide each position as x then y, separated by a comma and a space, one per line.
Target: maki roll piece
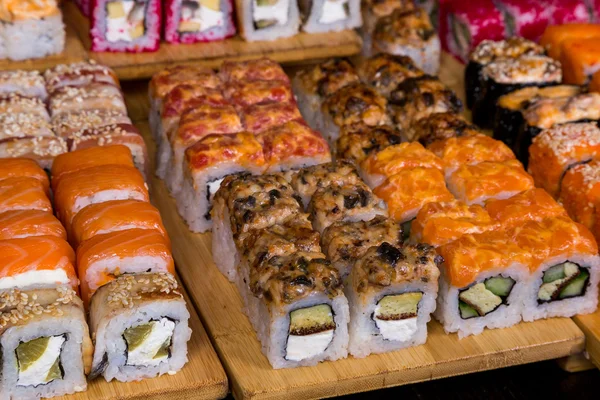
313, 86
69, 124
96, 96
206, 164
260, 117
439, 126
45, 342
330, 15
385, 71
292, 146
245, 203
438, 224
525, 18
564, 12
308, 180
267, 19
97, 185
487, 52
391, 292
103, 258
373, 11
23, 168
41, 149
506, 75
78, 75
115, 216
411, 34
580, 60
24, 125
379, 166
474, 184
195, 123
192, 21
141, 328
252, 70
27, 223
24, 193
358, 141
37, 262
409, 190
15, 104
245, 94
469, 150
555, 35
344, 242
483, 281
531, 205
351, 202
131, 26
418, 98
580, 192
557, 149
23, 83
352, 104
564, 271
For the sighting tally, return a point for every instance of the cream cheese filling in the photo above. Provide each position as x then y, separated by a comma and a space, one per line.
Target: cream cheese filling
303, 347
35, 278
333, 11
278, 11
144, 354
37, 372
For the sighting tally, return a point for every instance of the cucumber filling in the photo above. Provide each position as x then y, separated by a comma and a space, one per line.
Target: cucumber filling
149, 344
310, 333
396, 316
484, 297
563, 281
38, 360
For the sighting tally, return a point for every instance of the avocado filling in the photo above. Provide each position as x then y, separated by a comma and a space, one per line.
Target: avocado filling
267, 13
149, 344
39, 360
396, 315
484, 297
563, 281
311, 331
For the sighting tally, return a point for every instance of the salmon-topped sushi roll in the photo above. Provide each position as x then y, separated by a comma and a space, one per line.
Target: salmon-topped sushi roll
24, 193
580, 192
260, 117
246, 93
531, 205
580, 59
97, 185
474, 184
565, 269
358, 141
555, 35
104, 257
36, 262
409, 190
23, 167
251, 70
440, 223
114, 216
18, 224
93, 157
391, 160
469, 150
557, 149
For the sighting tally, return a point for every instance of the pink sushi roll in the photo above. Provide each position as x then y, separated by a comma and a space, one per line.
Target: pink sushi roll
131, 26
568, 11
525, 18
191, 21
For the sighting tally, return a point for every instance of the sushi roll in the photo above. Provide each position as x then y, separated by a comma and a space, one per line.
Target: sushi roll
95, 96
23, 125
531, 205
23, 168
474, 184
103, 258
18, 224
267, 19
411, 34
556, 150
439, 126
41, 149
36, 263
373, 11
141, 327
487, 52
409, 190
469, 150
47, 352
379, 166
69, 124
246, 93
308, 180
207, 163
255, 69
352, 104
391, 292
525, 18
564, 268
555, 35
594, 85
569, 12
418, 98
131, 26
385, 71
350, 202
115, 216
260, 117
483, 281
24, 193
580, 59
330, 15
192, 21
438, 224
31, 29
579, 192
505, 75
16, 104
358, 141
78, 75
23, 83
344, 242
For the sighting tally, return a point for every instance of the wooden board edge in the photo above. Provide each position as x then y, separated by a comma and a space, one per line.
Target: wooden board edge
575, 363
592, 343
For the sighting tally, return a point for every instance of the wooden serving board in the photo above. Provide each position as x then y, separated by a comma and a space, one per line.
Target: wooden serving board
590, 325
297, 49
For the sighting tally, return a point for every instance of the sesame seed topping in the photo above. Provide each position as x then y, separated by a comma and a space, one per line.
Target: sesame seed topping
564, 140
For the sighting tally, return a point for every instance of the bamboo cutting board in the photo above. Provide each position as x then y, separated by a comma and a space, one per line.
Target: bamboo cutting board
590, 325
